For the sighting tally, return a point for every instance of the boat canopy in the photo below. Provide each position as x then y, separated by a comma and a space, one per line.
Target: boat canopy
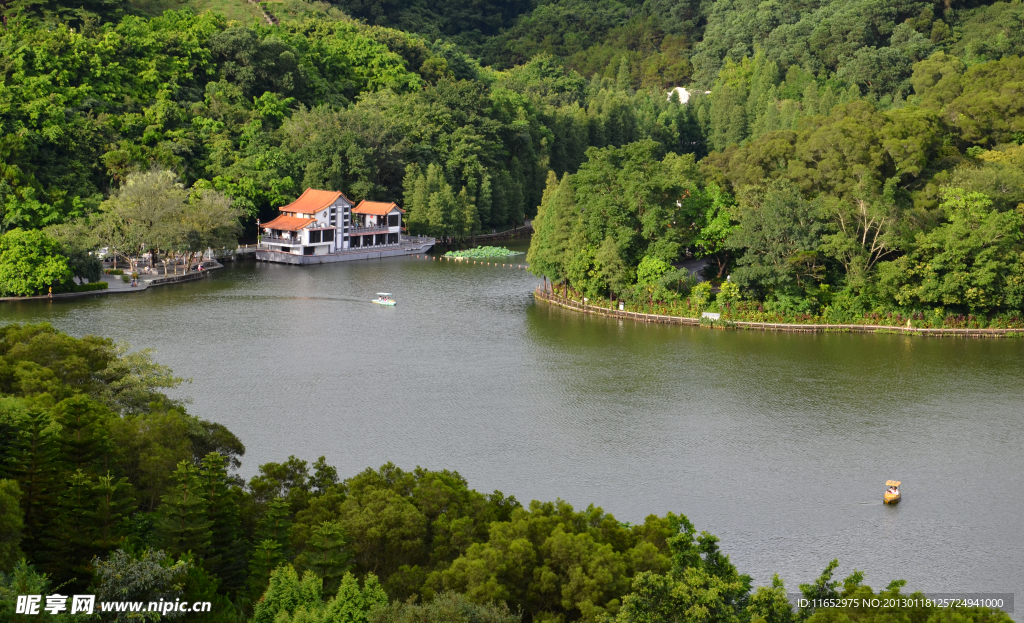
383, 294
892, 483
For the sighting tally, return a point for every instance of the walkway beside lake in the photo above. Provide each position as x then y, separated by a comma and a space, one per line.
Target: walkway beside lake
117, 285
547, 297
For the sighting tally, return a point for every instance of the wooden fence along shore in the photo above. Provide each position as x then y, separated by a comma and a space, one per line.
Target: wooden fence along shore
772, 326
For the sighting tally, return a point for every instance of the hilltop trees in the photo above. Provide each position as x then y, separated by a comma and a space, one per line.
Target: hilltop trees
258, 113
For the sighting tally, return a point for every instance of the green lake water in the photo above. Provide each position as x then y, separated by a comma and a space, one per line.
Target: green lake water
780, 444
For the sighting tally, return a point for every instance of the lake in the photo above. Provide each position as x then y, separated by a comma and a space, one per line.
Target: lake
780, 444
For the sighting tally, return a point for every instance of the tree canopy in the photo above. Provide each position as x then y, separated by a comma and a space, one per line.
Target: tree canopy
111, 488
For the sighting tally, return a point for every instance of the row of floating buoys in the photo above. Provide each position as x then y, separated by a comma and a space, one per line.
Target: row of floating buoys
432, 257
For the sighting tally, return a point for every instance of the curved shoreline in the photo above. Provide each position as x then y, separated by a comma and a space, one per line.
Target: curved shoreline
143, 286
773, 326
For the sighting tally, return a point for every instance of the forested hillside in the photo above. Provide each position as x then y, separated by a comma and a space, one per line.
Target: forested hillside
110, 488
858, 157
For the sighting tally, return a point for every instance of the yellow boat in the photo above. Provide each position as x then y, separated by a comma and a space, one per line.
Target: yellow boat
892, 496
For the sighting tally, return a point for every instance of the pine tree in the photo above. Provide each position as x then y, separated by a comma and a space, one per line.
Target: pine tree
425, 186
517, 199
11, 525
226, 555
32, 462
536, 256
412, 173
729, 104
434, 179
468, 221
286, 594
113, 499
266, 557
85, 442
499, 202
275, 523
353, 604
442, 211
415, 198
272, 538
552, 227
483, 203
184, 525
326, 555
624, 78
69, 544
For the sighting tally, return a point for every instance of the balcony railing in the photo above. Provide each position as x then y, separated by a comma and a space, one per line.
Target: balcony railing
363, 231
277, 240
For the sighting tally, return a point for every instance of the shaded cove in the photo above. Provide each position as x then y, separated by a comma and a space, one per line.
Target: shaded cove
778, 443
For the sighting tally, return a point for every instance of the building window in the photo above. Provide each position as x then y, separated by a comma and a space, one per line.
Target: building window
328, 235
392, 238
308, 250
314, 236
392, 220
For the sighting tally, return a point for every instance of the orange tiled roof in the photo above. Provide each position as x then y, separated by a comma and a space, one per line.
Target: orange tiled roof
312, 200
379, 208
288, 223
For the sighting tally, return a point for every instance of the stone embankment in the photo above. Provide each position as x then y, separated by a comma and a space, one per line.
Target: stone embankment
548, 297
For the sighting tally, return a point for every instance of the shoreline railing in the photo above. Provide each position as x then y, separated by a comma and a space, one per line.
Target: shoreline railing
554, 299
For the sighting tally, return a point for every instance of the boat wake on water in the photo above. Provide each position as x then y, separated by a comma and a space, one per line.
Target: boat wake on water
279, 297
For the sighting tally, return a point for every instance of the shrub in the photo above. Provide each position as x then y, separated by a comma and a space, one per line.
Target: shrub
89, 287
700, 295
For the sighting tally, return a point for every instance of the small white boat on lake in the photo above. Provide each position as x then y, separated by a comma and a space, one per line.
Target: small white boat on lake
384, 298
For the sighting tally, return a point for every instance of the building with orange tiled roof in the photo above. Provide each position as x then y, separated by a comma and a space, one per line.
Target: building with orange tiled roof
322, 226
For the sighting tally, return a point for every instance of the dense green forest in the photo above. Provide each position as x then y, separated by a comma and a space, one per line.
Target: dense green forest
109, 487
850, 161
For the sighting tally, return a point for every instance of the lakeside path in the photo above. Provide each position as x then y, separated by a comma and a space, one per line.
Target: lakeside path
775, 326
115, 285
